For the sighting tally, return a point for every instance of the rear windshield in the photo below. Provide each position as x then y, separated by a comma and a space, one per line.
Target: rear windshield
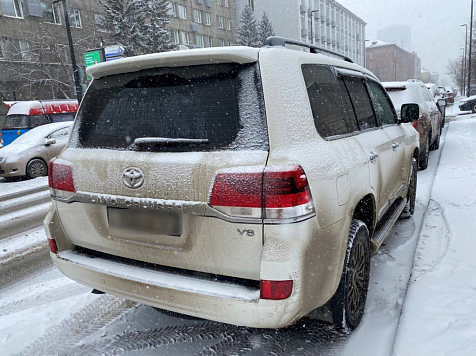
402, 96
220, 106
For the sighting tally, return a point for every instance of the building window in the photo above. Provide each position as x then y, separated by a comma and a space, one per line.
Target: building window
197, 16
25, 50
220, 22
226, 3
251, 3
3, 48
221, 42
219, 2
371, 55
182, 11
171, 10
208, 19
184, 38
101, 23
176, 37
210, 41
12, 8
74, 18
199, 40
51, 13
228, 24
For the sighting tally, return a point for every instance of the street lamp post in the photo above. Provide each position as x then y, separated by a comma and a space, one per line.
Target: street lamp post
462, 70
470, 48
464, 57
77, 81
312, 25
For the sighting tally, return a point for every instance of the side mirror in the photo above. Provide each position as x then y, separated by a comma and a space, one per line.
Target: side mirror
441, 102
50, 141
410, 113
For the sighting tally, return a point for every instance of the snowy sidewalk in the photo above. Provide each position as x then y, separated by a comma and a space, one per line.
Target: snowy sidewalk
439, 312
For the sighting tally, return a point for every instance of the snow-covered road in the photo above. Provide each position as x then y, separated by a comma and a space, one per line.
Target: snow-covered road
45, 313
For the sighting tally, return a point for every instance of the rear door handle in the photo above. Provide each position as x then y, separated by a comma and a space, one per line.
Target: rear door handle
373, 157
395, 146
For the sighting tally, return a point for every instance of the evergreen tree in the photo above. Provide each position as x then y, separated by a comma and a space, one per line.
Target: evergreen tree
247, 33
139, 25
265, 29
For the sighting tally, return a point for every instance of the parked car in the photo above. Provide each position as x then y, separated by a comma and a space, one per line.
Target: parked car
434, 91
249, 191
26, 115
451, 95
29, 154
430, 119
468, 104
443, 93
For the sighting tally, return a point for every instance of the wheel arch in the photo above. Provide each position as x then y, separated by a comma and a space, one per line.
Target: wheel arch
366, 211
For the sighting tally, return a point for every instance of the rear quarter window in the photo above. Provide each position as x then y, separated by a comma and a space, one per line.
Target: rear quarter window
331, 107
221, 103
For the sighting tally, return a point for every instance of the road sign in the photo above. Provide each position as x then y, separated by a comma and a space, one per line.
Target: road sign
93, 57
114, 51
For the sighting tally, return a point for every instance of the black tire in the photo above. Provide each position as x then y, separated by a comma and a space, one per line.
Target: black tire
36, 168
409, 209
435, 145
474, 109
425, 155
348, 303
176, 315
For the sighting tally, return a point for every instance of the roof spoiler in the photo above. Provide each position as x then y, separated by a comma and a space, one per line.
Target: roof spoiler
282, 41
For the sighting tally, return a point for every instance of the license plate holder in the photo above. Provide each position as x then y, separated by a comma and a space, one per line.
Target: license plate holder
144, 222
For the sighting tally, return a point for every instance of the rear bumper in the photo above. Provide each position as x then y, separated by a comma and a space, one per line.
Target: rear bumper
219, 301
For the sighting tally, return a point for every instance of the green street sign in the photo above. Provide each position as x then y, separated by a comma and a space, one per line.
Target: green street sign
93, 57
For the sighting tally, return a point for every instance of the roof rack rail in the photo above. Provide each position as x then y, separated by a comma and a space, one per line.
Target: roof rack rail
282, 41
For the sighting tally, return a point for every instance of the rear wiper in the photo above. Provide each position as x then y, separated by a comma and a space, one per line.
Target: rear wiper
164, 141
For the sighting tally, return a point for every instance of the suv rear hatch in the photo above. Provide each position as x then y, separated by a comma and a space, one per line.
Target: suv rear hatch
145, 150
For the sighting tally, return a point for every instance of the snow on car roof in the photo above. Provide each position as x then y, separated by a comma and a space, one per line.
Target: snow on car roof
43, 131
35, 107
235, 54
468, 99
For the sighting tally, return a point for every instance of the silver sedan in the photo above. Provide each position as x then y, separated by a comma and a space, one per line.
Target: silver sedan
29, 154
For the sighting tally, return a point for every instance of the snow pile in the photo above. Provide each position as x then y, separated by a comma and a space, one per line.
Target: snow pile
439, 313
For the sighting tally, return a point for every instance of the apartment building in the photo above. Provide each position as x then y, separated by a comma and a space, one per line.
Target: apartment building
34, 52
203, 23
323, 22
391, 63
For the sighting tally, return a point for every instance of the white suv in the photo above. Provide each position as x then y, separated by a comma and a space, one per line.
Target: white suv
242, 185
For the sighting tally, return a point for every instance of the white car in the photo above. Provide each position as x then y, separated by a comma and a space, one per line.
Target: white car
243, 185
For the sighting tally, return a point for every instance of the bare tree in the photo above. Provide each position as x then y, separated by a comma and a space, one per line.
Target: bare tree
455, 71
41, 66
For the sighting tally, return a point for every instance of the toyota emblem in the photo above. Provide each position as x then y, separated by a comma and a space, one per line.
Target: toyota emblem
133, 178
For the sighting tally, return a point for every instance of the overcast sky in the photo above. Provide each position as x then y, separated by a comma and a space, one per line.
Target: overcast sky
436, 33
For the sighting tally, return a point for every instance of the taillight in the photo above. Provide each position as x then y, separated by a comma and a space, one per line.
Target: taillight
53, 246
275, 290
415, 123
276, 192
60, 178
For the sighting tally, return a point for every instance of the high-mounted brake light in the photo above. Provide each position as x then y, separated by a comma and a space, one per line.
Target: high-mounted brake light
275, 290
276, 192
60, 178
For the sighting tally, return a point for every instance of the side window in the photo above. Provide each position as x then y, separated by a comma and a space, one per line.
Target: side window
330, 104
383, 106
38, 120
60, 134
361, 102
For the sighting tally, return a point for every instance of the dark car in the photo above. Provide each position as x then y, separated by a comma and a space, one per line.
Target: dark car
468, 104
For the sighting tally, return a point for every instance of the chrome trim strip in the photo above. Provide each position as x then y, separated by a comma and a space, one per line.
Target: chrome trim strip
186, 207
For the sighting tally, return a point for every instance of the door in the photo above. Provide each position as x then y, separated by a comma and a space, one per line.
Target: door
374, 141
388, 120
61, 137
435, 114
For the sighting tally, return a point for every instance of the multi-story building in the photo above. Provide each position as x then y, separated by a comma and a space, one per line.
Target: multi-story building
323, 22
391, 63
203, 23
34, 53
